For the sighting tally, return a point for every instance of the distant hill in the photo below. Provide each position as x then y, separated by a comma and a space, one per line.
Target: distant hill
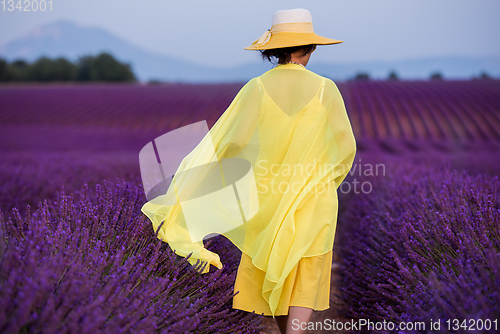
70, 40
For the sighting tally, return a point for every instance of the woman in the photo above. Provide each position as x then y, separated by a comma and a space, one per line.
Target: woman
284, 146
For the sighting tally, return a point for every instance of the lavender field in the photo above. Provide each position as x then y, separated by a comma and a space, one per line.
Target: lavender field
77, 254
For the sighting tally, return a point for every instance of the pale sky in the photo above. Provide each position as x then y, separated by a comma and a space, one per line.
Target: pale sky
215, 32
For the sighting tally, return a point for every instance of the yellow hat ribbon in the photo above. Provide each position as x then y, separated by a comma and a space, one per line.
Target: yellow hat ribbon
264, 38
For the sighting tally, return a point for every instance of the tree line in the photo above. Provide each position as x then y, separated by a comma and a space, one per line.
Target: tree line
102, 67
364, 76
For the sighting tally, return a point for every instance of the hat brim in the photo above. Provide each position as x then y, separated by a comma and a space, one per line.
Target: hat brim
289, 39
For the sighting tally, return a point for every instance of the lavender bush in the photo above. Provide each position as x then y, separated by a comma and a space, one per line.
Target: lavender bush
425, 244
29, 177
421, 245
94, 266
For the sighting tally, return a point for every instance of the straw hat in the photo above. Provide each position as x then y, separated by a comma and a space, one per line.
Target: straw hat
291, 27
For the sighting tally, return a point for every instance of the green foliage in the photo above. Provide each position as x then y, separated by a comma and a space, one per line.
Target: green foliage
45, 69
103, 67
3, 70
154, 82
393, 76
15, 71
484, 76
362, 76
436, 76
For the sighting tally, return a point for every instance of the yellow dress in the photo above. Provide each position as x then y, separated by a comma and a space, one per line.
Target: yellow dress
307, 285
266, 177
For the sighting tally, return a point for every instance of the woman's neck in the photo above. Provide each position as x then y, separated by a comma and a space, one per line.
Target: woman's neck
300, 59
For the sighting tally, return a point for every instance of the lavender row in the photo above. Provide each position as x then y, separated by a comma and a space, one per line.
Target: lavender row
424, 244
462, 111
29, 177
93, 264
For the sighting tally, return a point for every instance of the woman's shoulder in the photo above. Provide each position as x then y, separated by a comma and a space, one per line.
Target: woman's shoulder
291, 75
331, 91
328, 82
330, 87
252, 88
253, 82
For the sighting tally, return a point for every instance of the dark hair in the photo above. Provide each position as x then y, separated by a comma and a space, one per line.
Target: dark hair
284, 54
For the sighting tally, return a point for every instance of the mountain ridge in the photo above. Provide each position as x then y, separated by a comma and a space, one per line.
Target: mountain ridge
70, 40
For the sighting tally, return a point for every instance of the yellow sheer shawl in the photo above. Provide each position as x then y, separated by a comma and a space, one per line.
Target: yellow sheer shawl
291, 126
